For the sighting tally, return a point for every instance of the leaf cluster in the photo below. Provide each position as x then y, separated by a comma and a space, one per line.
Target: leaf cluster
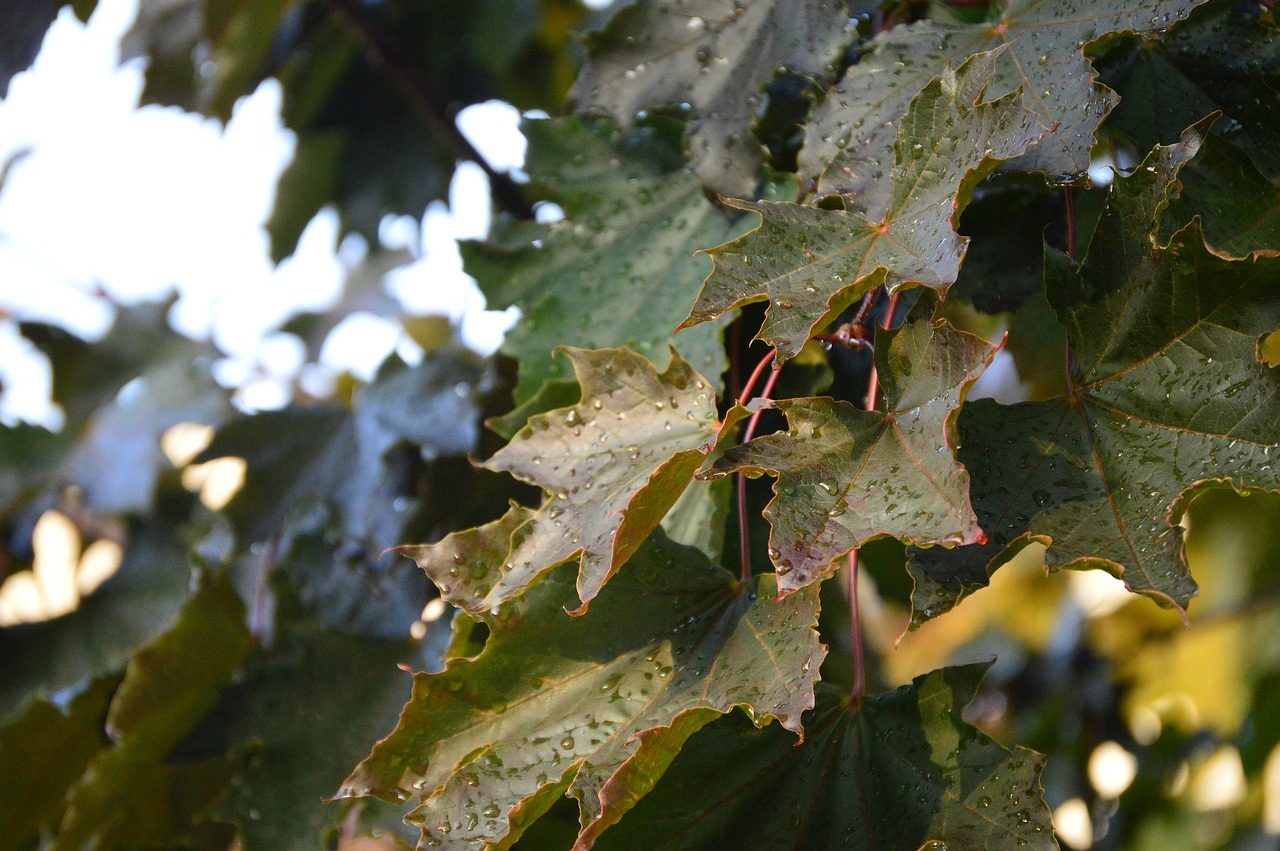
888, 211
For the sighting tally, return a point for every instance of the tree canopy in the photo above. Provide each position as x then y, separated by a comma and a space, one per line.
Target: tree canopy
885, 456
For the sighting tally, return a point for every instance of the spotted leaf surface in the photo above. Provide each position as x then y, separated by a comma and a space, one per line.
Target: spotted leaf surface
846, 475
596, 705
611, 465
903, 770
1169, 395
620, 268
811, 263
849, 146
715, 57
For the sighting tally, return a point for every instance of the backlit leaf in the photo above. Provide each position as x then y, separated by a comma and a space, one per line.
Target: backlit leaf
1169, 396
903, 770
612, 465
846, 475
849, 146
811, 263
715, 57
597, 705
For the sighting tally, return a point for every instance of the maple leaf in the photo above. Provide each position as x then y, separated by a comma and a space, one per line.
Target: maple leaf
1222, 59
847, 475
849, 146
597, 705
1239, 210
812, 263
715, 56
619, 269
125, 797
903, 770
612, 465
1169, 396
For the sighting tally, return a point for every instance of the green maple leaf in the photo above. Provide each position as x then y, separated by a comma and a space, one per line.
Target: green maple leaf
612, 465
130, 793
811, 263
1169, 395
307, 709
619, 270
716, 56
32, 785
596, 706
903, 770
1239, 210
849, 146
846, 475
1222, 59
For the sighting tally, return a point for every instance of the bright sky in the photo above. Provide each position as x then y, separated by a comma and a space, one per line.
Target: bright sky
138, 202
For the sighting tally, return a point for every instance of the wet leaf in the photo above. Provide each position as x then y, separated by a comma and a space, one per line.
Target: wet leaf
1222, 59
1169, 396
619, 270
811, 263
901, 771
846, 475
612, 466
849, 146
715, 57
597, 705
1239, 210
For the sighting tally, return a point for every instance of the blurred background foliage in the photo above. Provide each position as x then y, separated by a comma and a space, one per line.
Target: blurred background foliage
200, 623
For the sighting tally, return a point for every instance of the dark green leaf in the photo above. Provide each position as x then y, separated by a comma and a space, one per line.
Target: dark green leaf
43, 751
849, 146
596, 705
298, 456
716, 56
308, 710
901, 771
811, 263
1239, 211
619, 270
1222, 58
1169, 396
129, 795
136, 604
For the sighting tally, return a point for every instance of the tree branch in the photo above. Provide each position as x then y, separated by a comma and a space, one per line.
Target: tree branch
389, 56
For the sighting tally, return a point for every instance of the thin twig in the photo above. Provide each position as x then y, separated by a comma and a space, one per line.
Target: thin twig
1069, 356
744, 541
388, 55
859, 688
855, 627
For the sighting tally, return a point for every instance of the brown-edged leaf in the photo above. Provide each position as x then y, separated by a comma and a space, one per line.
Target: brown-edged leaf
846, 475
596, 706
